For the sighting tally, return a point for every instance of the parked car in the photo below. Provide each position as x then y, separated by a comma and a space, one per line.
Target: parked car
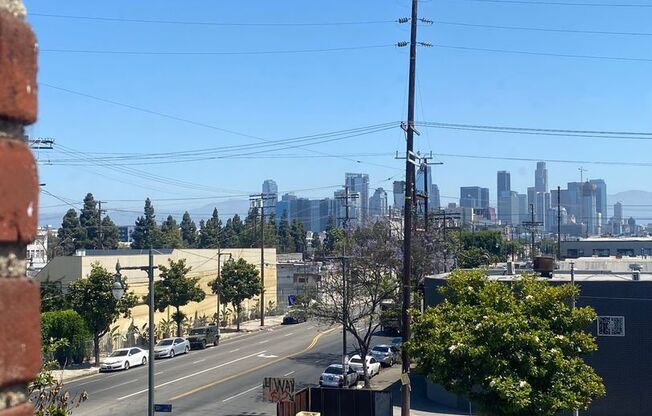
294, 317
169, 347
386, 354
124, 358
332, 377
373, 366
202, 336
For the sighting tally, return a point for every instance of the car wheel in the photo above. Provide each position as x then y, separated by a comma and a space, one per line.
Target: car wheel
144, 360
203, 344
126, 365
187, 349
171, 353
216, 342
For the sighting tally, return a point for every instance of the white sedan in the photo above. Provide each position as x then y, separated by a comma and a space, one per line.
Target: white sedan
169, 347
373, 366
124, 358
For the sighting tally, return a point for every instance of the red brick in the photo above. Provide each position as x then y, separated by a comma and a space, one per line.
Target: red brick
25, 409
20, 331
17, 70
18, 192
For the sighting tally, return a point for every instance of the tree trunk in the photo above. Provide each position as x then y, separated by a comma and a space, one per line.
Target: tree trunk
178, 321
237, 318
365, 373
96, 348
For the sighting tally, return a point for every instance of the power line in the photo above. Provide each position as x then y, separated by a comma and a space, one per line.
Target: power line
542, 29
218, 24
557, 3
531, 159
209, 53
558, 55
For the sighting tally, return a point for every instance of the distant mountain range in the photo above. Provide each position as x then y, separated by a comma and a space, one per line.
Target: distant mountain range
637, 204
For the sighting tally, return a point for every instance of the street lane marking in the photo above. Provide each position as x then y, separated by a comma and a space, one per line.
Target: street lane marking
115, 385
199, 361
267, 356
191, 375
264, 341
251, 370
290, 334
160, 372
285, 375
237, 349
244, 392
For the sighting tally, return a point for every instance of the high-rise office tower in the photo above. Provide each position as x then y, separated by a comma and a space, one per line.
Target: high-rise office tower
270, 193
523, 208
600, 196
504, 195
618, 212
589, 208
339, 208
422, 187
504, 182
399, 195
378, 203
541, 178
359, 182
435, 197
474, 197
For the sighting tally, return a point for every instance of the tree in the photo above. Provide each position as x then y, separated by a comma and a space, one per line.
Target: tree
209, 235
514, 351
170, 234
239, 281
52, 297
188, 231
146, 233
284, 235
230, 237
89, 218
371, 278
92, 297
176, 289
271, 237
334, 236
110, 234
298, 237
249, 233
316, 245
69, 326
72, 235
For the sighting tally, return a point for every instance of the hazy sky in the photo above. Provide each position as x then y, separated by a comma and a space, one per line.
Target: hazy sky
275, 96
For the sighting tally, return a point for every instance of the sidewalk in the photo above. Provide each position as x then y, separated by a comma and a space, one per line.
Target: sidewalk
74, 372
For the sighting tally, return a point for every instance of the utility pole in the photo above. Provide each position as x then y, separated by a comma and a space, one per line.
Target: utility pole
219, 276
259, 199
426, 187
558, 223
100, 211
532, 225
347, 224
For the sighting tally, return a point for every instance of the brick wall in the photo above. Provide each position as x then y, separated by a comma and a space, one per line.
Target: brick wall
20, 349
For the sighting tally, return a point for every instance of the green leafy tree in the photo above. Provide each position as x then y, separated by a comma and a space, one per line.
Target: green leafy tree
69, 326
110, 234
230, 237
284, 234
298, 237
92, 298
513, 350
492, 242
71, 235
249, 235
316, 245
52, 297
188, 231
239, 281
334, 237
209, 234
271, 232
89, 218
170, 233
146, 233
474, 257
176, 289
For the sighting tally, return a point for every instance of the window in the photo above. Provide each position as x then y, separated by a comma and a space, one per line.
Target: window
611, 326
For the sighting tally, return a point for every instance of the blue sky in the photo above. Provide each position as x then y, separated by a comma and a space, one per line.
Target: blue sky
278, 96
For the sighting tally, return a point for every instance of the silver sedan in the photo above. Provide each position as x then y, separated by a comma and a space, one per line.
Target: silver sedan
169, 347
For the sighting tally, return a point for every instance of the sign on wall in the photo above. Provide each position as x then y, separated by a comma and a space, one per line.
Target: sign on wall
278, 389
611, 326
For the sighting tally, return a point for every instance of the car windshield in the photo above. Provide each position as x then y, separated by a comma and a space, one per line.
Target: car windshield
380, 349
164, 343
356, 360
197, 331
119, 353
333, 370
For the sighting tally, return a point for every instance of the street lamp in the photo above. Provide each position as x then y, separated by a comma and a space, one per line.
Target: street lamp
118, 287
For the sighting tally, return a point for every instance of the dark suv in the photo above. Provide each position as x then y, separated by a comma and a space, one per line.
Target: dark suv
202, 336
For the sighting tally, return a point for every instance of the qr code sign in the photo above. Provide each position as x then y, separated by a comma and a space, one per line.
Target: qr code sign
611, 326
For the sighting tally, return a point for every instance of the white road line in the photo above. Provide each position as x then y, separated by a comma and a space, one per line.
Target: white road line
115, 385
285, 375
241, 393
237, 349
160, 372
290, 334
264, 341
318, 361
191, 375
199, 361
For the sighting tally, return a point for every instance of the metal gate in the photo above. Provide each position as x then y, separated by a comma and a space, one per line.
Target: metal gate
338, 402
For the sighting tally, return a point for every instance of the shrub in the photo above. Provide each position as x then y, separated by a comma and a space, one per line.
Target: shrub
69, 327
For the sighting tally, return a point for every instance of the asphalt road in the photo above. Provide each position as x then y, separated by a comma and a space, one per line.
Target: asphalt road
223, 380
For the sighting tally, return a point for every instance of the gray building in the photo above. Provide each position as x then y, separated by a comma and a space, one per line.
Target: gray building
339, 208
622, 331
270, 193
541, 178
504, 182
124, 233
606, 247
508, 208
293, 277
589, 208
378, 204
359, 182
435, 198
522, 208
474, 197
600, 197
399, 195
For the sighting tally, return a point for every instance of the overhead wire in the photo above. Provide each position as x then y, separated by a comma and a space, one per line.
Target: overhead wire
541, 29
215, 53
559, 3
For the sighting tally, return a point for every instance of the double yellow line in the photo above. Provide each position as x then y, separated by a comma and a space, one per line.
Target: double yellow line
251, 370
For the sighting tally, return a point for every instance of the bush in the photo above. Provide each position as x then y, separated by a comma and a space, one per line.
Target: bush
69, 327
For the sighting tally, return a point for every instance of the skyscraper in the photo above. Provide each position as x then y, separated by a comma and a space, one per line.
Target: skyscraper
399, 195
508, 205
339, 208
434, 197
270, 193
419, 184
618, 212
359, 182
541, 178
504, 182
600, 196
474, 197
378, 203
589, 208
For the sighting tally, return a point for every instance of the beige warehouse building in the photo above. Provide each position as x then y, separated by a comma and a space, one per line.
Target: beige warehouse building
203, 263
